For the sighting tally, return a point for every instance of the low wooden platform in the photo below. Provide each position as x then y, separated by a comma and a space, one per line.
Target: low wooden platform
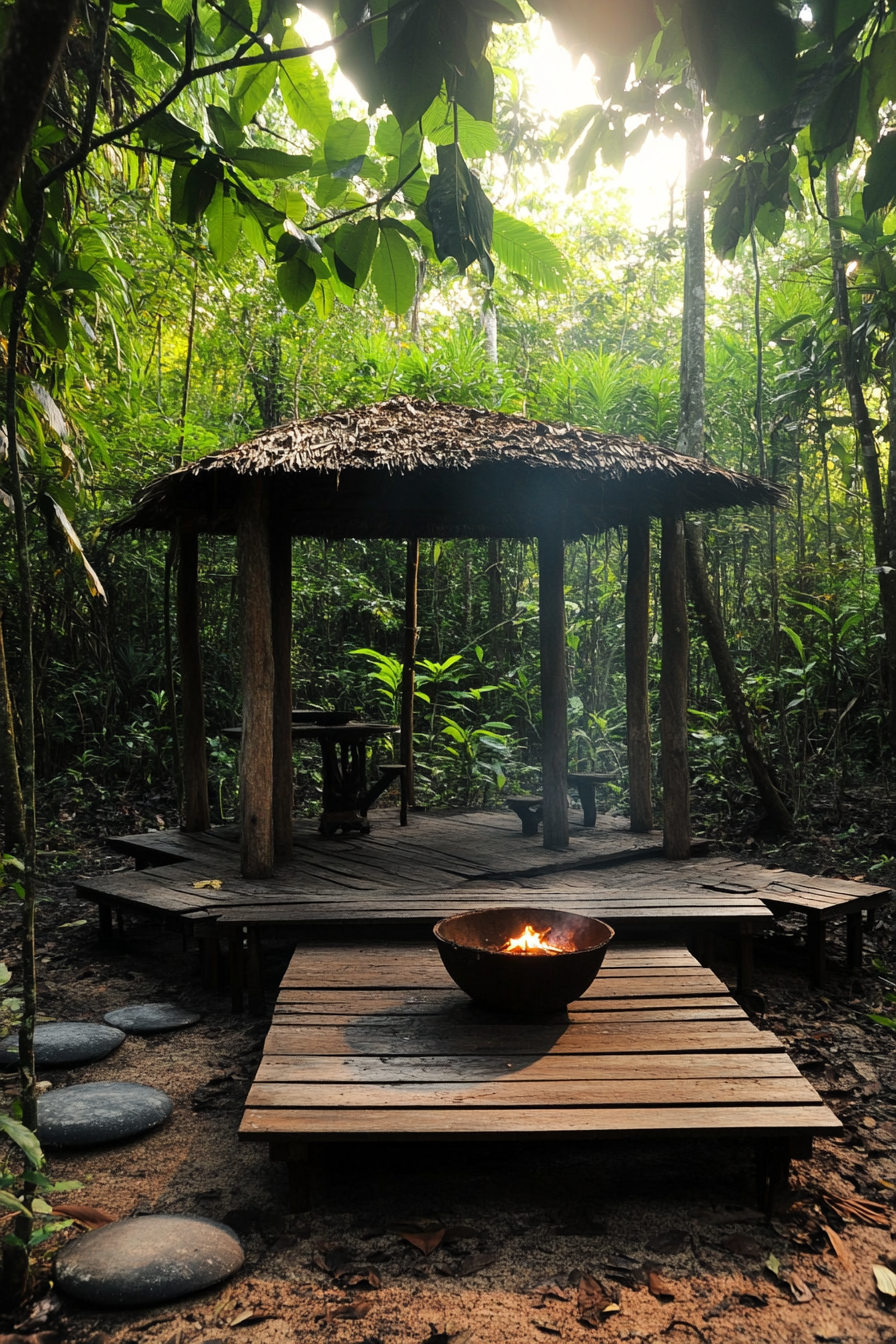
380, 1044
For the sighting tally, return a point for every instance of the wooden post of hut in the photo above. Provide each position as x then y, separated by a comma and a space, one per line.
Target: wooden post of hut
257, 673
554, 741
674, 690
637, 702
196, 814
281, 642
407, 673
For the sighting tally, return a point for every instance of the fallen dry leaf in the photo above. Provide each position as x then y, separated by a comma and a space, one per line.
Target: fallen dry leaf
248, 1317
551, 1289
345, 1311
594, 1302
460, 1232
472, 1264
885, 1280
425, 1241
354, 1276
331, 1260
211, 883
863, 1210
85, 1214
42, 1337
657, 1287
800, 1291
546, 1328
669, 1243
752, 1300
741, 1243
838, 1246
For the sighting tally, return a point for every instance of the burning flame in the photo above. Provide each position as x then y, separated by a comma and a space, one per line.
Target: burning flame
531, 941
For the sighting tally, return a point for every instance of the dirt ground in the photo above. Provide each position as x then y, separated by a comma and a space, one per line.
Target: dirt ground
519, 1216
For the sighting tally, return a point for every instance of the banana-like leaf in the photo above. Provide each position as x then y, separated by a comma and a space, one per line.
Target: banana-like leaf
529, 253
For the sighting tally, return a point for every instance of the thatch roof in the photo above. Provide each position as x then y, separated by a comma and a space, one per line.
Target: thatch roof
409, 467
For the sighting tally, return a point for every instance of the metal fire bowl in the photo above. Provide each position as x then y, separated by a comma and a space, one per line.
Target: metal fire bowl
521, 983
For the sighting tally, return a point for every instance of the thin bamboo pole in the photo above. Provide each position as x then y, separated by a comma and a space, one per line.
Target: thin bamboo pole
196, 813
281, 643
554, 743
257, 667
637, 702
407, 674
674, 691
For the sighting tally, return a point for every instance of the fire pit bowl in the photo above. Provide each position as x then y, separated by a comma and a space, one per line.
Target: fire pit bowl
472, 947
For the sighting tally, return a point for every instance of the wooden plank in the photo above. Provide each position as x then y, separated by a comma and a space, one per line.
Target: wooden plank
297, 1017
419, 1038
509, 1093
550, 1123
555, 1069
426, 1003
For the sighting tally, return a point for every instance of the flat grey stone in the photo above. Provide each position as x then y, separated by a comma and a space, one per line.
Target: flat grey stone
140, 1261
64, 1043
148, 1017
76, 1117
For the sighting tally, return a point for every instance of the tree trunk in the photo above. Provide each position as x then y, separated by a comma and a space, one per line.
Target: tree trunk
35, 37
637, 698
714, 634
674, 692
196, 814
407, 668
554, 735
692, 376
883, 528
495, 605
13, 810
257, 668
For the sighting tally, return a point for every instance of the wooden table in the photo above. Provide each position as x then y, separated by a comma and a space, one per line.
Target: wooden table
379, 1044
343, 747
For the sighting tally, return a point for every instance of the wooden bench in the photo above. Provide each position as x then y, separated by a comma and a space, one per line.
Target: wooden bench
584, 786
378, 1044
529, 807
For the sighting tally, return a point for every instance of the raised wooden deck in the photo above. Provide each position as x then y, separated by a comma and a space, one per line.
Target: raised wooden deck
385, 1046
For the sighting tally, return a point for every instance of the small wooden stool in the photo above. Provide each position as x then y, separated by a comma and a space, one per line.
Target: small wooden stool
529, 812
584, 785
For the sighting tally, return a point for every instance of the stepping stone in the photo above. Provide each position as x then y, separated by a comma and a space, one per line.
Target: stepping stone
140, 1261
145, 1018
76, 1117
64, 1043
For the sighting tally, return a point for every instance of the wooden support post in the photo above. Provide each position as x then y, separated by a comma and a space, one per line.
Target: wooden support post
257, 667
854, 941
554, 742
196, 814
254, 981
281, 642
817, 949
407, 676
208, 953
105, 914
236, 969
637, 702
304, 1168
674, 691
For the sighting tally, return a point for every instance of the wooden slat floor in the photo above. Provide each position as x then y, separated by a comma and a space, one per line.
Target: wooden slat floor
384, 1047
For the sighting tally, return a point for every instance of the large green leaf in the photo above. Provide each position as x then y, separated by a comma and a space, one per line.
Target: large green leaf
412, 65
880, 176
224, 226
295, 281
529, 253
227, 132
476, 138
272, 163
460, 213
345, 141
394, 271
305, 91
745, 54
353, 246
252, 87
23, 1138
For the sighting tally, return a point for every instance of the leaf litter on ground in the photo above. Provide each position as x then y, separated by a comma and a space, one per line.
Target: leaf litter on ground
659, 1288
862, 1210
799, 1291
838, 1246
885, 1280
741, 1243
669, 1243
595, 1302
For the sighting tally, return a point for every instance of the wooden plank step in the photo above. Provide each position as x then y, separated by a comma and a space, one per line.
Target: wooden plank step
509, 1093
537, 1068
557, 1122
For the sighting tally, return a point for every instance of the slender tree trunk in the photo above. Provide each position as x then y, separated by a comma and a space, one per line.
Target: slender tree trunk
637, 695
714, 634
883, 518
411, 631
36, 34
554, 736
674, 691
495, 604
13, 809
692, 377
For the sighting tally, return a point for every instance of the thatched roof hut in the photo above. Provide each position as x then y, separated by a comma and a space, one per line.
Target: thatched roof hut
410, 468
